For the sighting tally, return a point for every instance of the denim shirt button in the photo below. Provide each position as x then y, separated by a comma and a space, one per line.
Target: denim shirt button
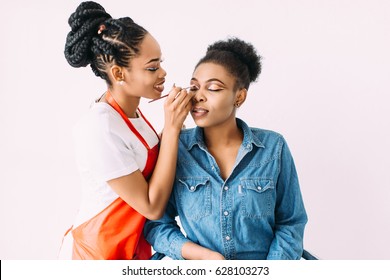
259, 188
227, 237
226, 213
192, 188
226, 188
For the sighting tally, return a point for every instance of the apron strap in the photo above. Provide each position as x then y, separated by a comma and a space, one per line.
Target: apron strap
142, 115
117, 108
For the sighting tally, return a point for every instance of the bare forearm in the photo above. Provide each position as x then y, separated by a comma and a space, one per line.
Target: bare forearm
161, 182
176, 108
150, 198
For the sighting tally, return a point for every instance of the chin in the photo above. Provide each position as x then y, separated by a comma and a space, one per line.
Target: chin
201, 123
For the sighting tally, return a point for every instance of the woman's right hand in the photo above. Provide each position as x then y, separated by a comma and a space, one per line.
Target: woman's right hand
193, 251
176, 108
149, 198
212, 255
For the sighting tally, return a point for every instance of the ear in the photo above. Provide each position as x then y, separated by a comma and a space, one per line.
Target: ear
240, 97
117, 73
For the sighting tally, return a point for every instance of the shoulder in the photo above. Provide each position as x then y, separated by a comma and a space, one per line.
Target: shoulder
260, 136
268, 139
100, 119
266, 134
272, 142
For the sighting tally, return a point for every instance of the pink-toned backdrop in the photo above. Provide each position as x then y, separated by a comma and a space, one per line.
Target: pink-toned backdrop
325, 86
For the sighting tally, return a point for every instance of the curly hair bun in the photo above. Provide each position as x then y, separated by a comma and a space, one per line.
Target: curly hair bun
243, 51
84, 23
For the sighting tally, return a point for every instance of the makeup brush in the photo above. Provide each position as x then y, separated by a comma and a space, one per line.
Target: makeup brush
163, 96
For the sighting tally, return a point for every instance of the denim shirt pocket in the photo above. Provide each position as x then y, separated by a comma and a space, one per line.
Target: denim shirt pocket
256, 197
195, 197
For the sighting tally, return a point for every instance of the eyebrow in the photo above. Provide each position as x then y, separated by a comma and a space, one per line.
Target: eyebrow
210, 80
153, 60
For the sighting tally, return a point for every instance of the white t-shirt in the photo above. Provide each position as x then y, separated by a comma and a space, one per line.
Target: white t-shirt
105, 149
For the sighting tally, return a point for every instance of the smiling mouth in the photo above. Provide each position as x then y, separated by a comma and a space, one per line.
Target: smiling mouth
198, 112
159, 87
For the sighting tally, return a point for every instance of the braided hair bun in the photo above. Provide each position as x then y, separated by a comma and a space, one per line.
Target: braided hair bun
84, 23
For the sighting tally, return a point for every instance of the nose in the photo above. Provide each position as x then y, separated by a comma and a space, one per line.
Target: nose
199, 97
163, 73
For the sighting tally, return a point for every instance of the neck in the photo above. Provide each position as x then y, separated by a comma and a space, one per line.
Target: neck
128, 104
223, 135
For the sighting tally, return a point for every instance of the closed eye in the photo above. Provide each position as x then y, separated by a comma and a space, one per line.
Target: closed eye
213, 88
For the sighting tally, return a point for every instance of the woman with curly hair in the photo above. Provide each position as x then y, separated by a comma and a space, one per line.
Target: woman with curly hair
236, 189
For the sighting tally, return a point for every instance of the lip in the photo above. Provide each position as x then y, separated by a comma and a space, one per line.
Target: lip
199, 112
159, 87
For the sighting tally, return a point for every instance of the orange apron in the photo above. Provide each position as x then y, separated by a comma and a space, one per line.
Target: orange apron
116, 232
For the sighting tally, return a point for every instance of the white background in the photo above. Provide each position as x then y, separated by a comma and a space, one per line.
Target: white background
324, 86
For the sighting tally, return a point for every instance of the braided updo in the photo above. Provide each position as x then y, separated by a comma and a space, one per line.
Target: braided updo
238, 57
101, 41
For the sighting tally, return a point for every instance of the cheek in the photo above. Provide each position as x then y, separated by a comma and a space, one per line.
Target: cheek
142, 80
147, 79
226, 104
224, 108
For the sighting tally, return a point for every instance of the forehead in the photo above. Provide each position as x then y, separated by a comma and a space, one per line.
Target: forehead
149, 49
209, 70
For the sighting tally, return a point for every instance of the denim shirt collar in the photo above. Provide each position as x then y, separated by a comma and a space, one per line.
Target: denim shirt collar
197, 137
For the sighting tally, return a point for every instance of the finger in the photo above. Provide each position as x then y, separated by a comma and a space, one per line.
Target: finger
184, 97
184, 107
187, 99
172, 94
181, 95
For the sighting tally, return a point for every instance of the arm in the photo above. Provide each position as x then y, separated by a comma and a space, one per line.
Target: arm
290, 214
192, 251
166, 237
150, 198
164, 234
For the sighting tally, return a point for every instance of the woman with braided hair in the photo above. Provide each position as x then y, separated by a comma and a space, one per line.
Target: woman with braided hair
126, 170
236, 189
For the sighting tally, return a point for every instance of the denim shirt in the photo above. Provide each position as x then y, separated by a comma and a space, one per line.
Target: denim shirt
256, 213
